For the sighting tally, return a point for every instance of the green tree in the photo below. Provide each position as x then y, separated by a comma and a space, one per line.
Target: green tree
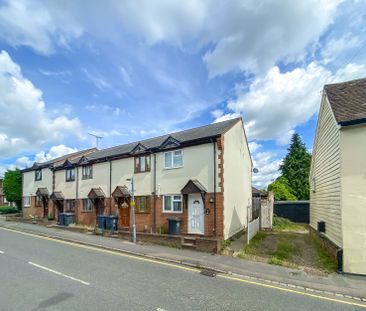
280, 190
296, 167
12, 186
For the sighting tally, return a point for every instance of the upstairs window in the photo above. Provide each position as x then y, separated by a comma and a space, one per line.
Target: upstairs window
142, 164
38, 174
173, 159
70, 174
142, 204
87, 172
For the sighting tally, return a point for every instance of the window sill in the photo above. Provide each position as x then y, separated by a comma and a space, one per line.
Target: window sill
172, 212
87, 212
143, 172
84, 178
142, 213
172, 168
71, 180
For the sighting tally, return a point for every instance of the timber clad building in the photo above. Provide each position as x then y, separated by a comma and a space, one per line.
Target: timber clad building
201, 176
338, 173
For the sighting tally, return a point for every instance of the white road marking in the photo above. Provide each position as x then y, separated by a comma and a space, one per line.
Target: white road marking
58, 273
1, 252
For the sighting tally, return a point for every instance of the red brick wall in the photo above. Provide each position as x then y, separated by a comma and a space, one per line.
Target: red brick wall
33, 210
145, 221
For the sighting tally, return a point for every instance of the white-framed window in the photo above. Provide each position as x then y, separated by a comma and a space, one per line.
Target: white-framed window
26, 201
70, 174
87, 172
38, 174
173, 159
87, 205
173, 203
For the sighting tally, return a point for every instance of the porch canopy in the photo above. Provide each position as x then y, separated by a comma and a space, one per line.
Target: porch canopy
42, 192
121, 192
194, 186
96, 193
57, 196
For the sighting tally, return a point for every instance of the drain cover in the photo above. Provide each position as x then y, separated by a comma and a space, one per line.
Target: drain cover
208, 272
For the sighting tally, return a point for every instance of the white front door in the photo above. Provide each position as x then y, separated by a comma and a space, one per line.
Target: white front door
195, 214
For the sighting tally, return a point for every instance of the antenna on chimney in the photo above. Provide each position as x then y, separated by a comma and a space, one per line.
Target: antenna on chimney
97, 138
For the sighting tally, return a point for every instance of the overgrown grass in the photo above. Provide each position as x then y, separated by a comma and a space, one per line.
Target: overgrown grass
283, 224
5, 209
253, 245
327, 262
284, 251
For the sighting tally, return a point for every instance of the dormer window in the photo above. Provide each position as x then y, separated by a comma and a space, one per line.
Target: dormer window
87, 172
142, 164
70, 174
173, 159
38, 174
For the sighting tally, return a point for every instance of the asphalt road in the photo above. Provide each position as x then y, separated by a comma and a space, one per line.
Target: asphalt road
44, 274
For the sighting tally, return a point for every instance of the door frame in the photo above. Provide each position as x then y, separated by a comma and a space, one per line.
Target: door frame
120, 209
189, 214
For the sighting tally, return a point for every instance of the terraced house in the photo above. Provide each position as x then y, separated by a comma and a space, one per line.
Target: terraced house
201, 176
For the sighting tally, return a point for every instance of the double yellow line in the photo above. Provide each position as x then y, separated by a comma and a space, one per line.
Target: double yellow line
191, 269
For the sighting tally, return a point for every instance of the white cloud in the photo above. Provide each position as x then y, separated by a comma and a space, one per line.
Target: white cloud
28, 23
336, 46
242, 35
253, 147
126, 76
26, 123
268, 165
253, 37
98, 80
278, 102
54, 152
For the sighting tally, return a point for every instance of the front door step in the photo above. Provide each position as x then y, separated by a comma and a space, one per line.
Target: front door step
188, 242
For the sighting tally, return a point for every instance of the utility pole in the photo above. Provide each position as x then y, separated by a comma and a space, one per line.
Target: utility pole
133, 204
97, 138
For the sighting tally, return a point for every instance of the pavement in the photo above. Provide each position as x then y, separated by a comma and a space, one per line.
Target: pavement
335, 285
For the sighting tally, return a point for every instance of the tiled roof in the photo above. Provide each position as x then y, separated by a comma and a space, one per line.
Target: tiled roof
185, 136
348, 101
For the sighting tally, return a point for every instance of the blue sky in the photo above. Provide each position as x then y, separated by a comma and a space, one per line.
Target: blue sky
128, 71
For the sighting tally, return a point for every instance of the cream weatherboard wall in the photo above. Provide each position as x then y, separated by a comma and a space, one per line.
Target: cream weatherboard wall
353, 171
325, 175
237, 180
30, 185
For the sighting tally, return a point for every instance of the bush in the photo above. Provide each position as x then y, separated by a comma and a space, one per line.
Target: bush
5, 209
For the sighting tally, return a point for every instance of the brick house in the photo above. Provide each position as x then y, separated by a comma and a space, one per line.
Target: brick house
2, 196
201, 176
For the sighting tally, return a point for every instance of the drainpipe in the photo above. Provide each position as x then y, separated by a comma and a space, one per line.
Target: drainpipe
110, 187
154, 227
214, 154
77, 193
